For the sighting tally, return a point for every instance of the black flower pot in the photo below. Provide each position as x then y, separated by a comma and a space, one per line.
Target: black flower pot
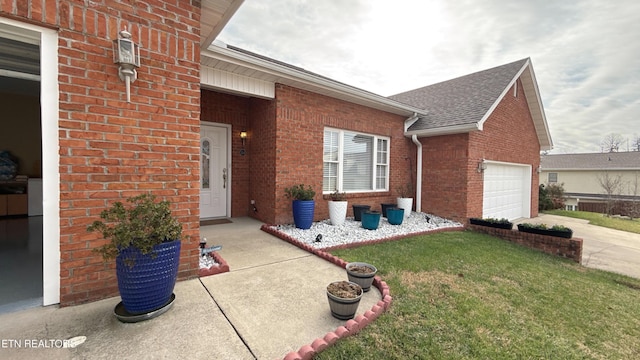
567, 234
358, 210
492, 224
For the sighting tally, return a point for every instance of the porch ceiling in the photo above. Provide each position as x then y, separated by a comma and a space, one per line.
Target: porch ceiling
215, 15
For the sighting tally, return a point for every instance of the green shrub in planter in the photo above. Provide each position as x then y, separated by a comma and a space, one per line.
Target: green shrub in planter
492, 222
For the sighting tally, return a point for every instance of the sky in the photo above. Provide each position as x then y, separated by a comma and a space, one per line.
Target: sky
585, 53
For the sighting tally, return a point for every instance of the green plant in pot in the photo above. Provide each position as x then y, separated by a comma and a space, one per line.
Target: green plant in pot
303, 204
144, 238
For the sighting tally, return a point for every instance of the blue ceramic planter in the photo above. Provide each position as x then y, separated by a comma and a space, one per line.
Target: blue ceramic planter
148, 284
303, 213
370, 220
395, 216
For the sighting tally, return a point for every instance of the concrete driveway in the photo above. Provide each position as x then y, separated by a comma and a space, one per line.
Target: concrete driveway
607, 249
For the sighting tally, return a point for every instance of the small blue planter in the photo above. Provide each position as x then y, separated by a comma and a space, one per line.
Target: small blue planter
303, 213
370, 220
395, 216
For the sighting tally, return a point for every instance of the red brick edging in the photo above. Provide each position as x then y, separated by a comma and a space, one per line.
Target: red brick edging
353, 326
222, 266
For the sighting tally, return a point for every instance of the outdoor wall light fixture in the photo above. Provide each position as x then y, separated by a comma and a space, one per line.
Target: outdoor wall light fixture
126, 53
482, 166
243, 136
539, 169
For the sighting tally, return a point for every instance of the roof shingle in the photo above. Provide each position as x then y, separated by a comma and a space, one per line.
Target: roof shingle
461, 101
593, 161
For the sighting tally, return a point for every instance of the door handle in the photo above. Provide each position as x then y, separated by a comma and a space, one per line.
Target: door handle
224, 178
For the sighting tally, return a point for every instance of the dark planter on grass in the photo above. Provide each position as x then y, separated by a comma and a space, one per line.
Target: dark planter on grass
567, 234
492, 224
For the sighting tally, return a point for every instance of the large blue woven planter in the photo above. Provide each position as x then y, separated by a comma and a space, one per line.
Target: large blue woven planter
303, 213
148, 284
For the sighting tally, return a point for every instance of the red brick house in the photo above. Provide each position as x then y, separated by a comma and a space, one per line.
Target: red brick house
470, 145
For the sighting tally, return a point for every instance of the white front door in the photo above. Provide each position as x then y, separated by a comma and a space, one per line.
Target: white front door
214, 172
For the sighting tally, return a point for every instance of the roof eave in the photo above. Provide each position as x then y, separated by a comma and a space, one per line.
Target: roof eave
292, 76
534, 102
214, 16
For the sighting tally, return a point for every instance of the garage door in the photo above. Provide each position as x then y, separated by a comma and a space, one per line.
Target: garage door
507, 189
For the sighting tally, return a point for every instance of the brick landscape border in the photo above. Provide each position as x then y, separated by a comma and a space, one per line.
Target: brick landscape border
566, 248
221, 267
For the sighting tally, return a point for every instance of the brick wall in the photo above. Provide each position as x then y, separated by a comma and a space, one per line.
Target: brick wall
111, 149
300, 119
445, 176
261, 148
567, 248
451, 185
510, 136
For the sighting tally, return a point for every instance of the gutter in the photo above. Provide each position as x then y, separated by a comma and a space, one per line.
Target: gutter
414, 138
447, 130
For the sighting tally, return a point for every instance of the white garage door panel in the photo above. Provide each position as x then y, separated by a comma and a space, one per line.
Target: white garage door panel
507, 190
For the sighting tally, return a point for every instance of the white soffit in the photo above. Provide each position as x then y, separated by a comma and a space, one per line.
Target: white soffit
215, 14
235, 83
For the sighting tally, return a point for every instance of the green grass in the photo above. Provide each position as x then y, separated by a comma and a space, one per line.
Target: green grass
600, 220
463, 295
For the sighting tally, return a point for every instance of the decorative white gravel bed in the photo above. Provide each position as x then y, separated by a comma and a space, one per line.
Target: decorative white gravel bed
352, 231
207, 261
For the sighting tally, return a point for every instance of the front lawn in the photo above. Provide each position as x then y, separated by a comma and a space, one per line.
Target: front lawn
464, 295
600, 220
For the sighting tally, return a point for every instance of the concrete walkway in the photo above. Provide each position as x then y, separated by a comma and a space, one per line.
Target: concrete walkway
271, 303
602, 248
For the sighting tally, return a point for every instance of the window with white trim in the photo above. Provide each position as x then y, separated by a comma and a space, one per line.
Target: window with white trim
355, 162
553, 177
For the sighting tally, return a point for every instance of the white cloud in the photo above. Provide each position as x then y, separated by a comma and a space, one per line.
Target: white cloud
585, 53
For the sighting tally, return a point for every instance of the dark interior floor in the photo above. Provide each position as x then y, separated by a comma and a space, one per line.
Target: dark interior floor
20, 263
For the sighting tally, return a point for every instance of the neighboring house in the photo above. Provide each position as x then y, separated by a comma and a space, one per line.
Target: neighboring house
221, 131
589, 179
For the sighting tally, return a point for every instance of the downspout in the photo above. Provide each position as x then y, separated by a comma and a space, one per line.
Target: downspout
415, 140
